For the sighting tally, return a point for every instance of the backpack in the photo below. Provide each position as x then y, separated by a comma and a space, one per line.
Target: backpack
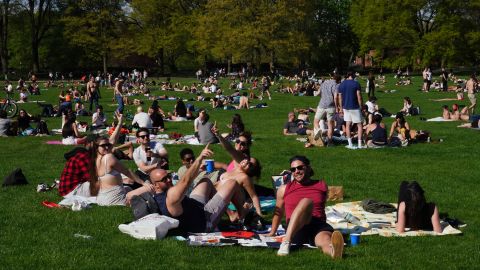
143, 204
15, 178
414, 111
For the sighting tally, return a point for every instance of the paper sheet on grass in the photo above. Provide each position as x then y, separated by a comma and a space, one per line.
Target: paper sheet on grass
374, 224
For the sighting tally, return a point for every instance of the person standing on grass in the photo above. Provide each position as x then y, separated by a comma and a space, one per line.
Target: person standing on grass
303, 202
327, 107
350, 100
92, 92
444, 77
471, 87
203, 208
118, 90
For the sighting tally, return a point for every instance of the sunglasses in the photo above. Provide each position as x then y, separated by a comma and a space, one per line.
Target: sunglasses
105, 145
143, 136
300, 168
190, 159
165, 178
242, 143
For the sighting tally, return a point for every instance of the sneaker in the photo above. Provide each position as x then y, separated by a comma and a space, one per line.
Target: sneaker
352, 147
317, 133
337, 245
42, 187
330, 143
361, 146
284, 249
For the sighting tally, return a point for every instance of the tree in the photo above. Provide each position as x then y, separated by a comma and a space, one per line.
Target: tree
4, 14
94, 26
253, 31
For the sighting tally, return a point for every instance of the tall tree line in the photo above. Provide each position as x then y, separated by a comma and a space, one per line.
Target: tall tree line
44, 35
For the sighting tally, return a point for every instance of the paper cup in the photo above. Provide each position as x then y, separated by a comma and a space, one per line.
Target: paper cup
210, 165
354, 239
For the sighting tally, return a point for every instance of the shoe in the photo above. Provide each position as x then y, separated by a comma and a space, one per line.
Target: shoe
330, 143
352, 147
337, 245
361, 146
42, 187
284, 249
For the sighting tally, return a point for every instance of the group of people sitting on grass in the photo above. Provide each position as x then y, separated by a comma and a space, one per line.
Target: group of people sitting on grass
341, 117
199, 198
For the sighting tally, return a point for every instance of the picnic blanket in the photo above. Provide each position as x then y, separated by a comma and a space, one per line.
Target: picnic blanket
164, 139
439, 119
374, 224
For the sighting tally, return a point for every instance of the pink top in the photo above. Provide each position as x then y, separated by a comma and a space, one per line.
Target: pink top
315, 190
231, 166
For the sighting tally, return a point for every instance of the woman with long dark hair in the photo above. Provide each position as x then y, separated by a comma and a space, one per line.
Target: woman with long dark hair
413, 210
106, 176
70, 132
237, 127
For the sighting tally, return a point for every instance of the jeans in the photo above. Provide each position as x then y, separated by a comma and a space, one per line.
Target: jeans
94, 100
119, 99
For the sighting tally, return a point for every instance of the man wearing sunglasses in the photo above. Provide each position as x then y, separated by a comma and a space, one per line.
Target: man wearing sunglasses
303, 202
203, 208
188, 157
149, 155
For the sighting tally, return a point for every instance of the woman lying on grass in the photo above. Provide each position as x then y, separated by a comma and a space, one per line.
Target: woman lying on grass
245, 168
413, 210
106, 176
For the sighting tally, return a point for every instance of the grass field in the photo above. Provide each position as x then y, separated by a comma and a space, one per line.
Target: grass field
35, 237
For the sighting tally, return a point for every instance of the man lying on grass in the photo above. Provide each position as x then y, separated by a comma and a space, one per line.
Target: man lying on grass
303, 201
203, 208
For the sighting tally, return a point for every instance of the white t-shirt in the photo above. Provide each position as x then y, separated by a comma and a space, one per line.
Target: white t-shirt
9, 87
213, 88
139, 155
143, 120
372, 107
100, 120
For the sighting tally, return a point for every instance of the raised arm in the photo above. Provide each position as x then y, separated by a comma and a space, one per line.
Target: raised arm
236, 155
175, 193
116, 133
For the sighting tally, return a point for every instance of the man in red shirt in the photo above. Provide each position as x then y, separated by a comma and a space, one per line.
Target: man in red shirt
303, 202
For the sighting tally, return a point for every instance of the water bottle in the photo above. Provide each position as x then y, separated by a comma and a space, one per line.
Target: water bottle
351, 219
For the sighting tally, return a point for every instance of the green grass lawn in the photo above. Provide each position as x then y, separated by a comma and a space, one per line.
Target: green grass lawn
35, 237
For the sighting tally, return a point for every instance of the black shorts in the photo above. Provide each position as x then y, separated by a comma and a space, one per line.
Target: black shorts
306, 235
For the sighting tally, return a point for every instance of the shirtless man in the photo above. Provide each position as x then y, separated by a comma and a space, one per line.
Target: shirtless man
92, 92
119, 94
471, 85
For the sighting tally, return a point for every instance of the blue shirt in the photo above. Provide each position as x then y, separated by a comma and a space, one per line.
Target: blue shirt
348, 89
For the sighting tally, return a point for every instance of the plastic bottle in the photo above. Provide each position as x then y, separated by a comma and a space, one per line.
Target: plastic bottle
351, 219
174, 178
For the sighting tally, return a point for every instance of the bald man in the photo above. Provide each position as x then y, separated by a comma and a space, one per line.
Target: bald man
203, 209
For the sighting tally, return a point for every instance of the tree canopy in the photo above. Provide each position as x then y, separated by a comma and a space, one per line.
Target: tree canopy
41, 35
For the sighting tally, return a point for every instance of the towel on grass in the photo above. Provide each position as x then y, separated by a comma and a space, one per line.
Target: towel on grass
439, 119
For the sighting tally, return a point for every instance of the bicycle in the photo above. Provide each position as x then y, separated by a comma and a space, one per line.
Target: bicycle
9, 105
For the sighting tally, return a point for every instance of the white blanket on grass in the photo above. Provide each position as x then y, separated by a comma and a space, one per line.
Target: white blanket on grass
374, 224
439, 119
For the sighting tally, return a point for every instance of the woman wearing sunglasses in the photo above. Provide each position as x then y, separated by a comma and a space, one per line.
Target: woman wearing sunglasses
244, 168
106, 176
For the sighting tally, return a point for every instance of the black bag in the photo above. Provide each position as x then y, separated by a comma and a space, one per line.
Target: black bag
377, 207
15, 178
414, 111
395, 142
143, 204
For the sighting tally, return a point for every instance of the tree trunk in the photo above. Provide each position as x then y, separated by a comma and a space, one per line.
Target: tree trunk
229, 65
35, 59
272, 61
4, 37
104, 59
161, 60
